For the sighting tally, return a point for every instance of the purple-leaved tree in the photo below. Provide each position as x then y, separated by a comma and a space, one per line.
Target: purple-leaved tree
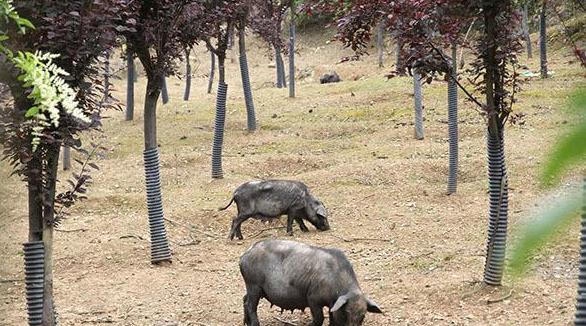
33, 132
426, 27
163, 29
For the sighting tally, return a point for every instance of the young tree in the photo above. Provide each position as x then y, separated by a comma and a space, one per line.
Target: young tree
55, 97
66, 158
158, 42
292, 51
543, 39
107, 75
130, 75
187, 51
400, 66
266, 21
220, 18
453, 123
245, 74
380, 41
212, 70
164, 91
526, 33
428, 26
418, 98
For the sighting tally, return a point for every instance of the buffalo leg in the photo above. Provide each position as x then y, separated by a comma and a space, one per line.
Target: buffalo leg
246, 317
236, 222
317, 314
301, 224
239, 232
290, 219
253, 294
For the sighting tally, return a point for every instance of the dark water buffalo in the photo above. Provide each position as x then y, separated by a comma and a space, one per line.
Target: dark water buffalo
273, 198
293, 275
330, 77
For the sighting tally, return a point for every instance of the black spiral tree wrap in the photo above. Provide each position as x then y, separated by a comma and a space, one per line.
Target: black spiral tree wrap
453, 126
219, 131
581, 298
418, 105
160, 250
498, 198
250, 116
34, 279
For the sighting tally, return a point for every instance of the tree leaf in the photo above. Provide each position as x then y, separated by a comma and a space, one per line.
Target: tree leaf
33, 111
536, 233
570, 149
25, 22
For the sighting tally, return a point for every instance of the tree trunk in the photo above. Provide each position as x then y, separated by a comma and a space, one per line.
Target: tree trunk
218, 143
418, 105
248, 99
580, 317
164, 92
497, 172
187, 75
150, 113
526, 34
453, 124
380, 39
231, 45
107, 77
35, 203
543, 40
401, 69
129, 86
160, 251
66, 158
212, 69
498, 211
282, 70
48, 224
292, 55
279, 66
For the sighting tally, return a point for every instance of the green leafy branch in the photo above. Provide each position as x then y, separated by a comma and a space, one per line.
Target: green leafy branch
49, 92
567, 152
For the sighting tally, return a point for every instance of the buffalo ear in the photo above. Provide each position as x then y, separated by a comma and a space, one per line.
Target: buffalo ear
371, 306
321, 211
339, 303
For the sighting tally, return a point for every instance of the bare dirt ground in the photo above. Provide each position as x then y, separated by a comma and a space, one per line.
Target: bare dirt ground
417, 252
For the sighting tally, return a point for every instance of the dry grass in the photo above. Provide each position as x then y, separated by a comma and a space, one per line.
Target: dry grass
356, 150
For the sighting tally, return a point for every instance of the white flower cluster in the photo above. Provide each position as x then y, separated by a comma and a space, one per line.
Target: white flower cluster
49, 92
